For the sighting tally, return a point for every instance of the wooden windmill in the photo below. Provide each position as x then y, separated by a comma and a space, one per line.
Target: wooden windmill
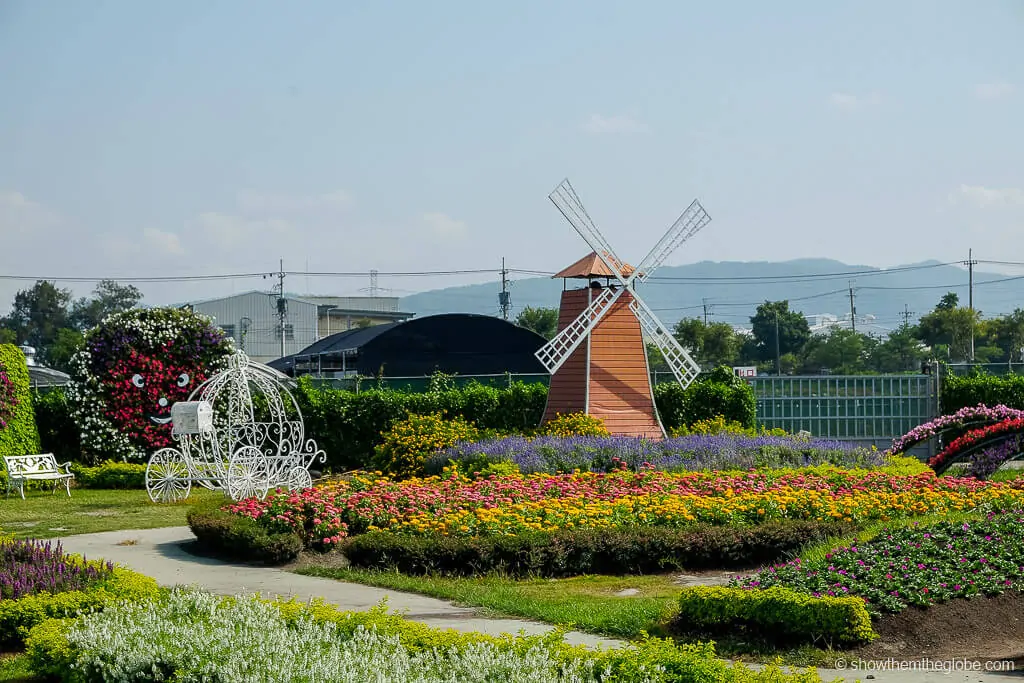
598, 359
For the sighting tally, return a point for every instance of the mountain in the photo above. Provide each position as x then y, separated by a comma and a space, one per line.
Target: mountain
732, 291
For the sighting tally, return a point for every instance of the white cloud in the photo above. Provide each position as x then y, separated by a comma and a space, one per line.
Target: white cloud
230, 231
851, 102
21, 216
443, 225
989, 197
165, 242
993, 91
250, 201
598, 124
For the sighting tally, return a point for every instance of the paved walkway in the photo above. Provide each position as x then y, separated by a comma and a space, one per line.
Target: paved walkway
158, 553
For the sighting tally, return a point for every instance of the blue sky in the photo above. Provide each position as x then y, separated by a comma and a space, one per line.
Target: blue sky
213, 137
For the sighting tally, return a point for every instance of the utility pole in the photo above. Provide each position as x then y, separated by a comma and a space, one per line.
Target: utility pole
853, 310
705, 312
970, 294
504, 300
906, 315
778, 355
282, 305
374, 289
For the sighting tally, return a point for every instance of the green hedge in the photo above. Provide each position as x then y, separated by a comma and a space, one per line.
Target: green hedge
719, 394
775, 614
992, 390
236, 537
110, 475
20, 436
17, 617
58, 432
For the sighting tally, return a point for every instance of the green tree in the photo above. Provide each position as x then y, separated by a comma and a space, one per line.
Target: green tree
950, 326
58, 354
543, 321
842, 352
109, 297
711, 344
901, 351
38, 314
1006, 333
793, 330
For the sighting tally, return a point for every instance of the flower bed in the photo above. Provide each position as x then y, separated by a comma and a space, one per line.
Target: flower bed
552, 455
38, 581
196, 636
512, 504
918, 565
1008, 430
961, 418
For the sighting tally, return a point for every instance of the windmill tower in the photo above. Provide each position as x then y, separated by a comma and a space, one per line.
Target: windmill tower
598, 359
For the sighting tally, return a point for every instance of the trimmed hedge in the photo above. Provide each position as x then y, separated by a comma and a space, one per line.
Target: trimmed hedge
236, 537
17, 617
720, 393
20, 436
775, 614
110, 475
58, 432
574, 552
992, 390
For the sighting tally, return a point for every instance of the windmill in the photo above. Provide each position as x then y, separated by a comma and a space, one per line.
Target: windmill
598, 359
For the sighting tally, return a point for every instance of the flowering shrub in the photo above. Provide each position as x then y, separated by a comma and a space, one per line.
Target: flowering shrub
29, 567
574, 424
697, 452
409, 442
457, 506
133, 367
917, 565
961, 418
720, 425
311, 513
8, 397
984, 463
1005, 433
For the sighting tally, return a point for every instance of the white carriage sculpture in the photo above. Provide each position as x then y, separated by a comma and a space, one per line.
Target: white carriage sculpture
223, 445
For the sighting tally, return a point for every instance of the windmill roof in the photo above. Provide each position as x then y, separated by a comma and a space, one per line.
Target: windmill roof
591, 265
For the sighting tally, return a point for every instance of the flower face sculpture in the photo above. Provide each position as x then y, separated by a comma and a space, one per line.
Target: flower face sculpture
134, 367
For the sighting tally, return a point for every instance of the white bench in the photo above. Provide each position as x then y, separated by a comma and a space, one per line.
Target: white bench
22, 468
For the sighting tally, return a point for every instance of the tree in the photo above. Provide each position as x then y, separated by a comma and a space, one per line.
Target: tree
793, 330
109, 297
901, 351
1007, 333
58, 354
841, 352
543, 321
38, 314
711, 344
951, 326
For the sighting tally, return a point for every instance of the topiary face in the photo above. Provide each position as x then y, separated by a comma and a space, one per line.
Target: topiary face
135, 366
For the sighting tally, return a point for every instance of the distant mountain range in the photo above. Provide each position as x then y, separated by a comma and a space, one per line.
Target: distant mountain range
732, 290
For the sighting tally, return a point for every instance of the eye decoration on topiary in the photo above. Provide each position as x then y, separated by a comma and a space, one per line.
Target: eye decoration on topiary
134, 367
8, 398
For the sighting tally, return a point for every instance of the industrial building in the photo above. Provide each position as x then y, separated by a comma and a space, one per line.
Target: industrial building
253, 319
453, 343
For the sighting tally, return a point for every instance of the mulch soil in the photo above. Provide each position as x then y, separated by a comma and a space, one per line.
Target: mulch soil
981, 628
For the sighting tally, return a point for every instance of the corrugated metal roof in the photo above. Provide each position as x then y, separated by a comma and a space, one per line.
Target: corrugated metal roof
591, 265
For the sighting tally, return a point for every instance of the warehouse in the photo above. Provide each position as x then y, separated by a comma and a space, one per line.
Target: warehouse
453, 343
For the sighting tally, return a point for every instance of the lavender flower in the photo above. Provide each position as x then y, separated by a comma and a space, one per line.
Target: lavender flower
29, 567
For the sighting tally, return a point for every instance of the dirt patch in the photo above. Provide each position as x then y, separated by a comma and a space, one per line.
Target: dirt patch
100, 513
328, 560
711, 578
979, 628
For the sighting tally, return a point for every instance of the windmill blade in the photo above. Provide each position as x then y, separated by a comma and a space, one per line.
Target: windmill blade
553, 354
679, 361
685, 227
566, 200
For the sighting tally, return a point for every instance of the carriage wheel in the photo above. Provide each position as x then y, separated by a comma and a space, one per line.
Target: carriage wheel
299, 479
167, 476
248, 474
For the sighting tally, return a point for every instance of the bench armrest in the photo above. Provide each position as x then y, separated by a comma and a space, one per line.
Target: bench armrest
67, 467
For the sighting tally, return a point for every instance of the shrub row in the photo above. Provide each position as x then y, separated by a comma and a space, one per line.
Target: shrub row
230, 639
236, 537
17, 617
574, 552
110, 475
775, 614
970, 390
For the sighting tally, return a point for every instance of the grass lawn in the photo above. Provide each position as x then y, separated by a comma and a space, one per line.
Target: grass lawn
587, 603
43, 515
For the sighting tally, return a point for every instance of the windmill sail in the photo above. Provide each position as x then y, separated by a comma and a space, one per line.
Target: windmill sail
679, 361
553, 354
685, 227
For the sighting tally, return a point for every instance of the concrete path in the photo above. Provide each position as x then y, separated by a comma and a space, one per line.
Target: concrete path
158, 553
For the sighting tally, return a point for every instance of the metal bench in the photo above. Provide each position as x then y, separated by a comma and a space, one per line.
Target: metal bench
22, 468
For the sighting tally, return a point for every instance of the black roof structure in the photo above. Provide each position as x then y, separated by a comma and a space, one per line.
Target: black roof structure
454, 343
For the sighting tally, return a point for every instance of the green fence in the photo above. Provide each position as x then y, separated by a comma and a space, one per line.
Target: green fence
866, 408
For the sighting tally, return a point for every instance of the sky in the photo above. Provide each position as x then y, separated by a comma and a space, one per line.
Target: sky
204, 138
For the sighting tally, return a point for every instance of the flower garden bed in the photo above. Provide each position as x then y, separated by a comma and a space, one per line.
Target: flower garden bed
553, 454
190, 635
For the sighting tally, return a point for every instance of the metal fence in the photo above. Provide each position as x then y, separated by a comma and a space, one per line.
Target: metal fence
870, 409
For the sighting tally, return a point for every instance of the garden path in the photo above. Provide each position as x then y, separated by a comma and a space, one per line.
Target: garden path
159, 553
